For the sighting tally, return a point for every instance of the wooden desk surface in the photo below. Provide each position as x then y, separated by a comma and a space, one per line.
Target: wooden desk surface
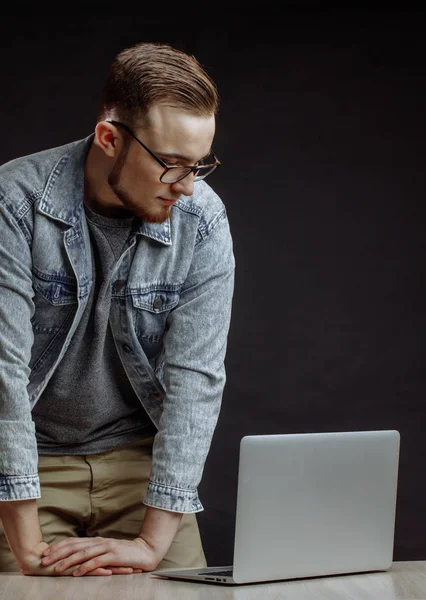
405, 580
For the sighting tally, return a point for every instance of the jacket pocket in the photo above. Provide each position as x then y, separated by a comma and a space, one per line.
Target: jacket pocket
55, 295
151, 307
55, 304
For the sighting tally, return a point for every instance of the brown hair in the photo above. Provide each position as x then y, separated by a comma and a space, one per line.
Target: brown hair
149, 73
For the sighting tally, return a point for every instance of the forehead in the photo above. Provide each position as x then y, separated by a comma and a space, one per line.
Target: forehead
173, 130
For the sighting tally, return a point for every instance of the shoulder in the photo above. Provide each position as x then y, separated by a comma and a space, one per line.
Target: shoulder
205, 205
24, 178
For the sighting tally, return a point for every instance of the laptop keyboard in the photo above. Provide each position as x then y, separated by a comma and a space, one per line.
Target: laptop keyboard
225, 573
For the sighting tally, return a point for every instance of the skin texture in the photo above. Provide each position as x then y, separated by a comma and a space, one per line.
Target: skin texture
121, 179
104, 556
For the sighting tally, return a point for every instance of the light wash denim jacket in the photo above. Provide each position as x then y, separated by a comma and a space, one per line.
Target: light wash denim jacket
170, 315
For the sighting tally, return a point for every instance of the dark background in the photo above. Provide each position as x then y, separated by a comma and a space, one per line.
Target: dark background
321, 132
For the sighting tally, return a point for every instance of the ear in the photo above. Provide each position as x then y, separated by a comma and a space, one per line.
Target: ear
107, 138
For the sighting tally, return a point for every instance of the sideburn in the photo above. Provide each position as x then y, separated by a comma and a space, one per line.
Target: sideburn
114, 176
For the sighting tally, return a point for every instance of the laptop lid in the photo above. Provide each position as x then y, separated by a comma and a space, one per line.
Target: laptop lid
313, 504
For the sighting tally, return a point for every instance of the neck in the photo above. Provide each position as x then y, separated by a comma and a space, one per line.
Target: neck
98, 194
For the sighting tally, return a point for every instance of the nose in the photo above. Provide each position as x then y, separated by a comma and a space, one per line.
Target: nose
185, 186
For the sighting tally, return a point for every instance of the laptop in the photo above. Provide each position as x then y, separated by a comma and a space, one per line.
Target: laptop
310, 505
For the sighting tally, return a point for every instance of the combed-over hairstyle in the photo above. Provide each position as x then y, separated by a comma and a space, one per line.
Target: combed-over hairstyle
149, 73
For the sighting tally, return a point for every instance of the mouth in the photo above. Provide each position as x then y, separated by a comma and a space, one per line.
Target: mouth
167, 201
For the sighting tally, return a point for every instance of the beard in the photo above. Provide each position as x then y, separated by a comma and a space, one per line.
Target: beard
129, 204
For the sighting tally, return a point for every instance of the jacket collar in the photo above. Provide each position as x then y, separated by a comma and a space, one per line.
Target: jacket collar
63, 195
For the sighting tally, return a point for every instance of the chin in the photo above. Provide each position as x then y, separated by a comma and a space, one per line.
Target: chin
158, 216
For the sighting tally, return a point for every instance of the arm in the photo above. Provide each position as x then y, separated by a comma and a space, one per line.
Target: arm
194, 371
19, 483
158, 530
22, 528
83, 556
18, 449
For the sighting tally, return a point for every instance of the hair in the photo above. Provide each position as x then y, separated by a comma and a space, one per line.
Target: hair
153, 73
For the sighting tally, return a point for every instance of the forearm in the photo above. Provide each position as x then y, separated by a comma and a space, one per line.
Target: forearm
104, 556
159, 528
22, 528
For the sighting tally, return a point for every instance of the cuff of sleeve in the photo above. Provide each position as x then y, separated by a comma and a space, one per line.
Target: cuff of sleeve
173, 499
20, 487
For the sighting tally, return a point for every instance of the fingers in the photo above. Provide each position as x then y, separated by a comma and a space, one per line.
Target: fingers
78, 547
85, 556
97, 572
98, 562
94, 557
109, 571
122, 570
59, 550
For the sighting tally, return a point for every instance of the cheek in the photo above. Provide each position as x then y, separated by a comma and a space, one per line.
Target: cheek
142, 179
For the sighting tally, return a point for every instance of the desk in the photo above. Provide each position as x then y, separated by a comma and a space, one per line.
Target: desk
405, 580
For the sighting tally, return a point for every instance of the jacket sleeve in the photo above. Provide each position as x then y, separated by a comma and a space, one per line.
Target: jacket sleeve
18, 449
194, 371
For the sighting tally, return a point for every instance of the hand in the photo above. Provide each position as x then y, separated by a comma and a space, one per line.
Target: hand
31, 564
30, 561
101, 556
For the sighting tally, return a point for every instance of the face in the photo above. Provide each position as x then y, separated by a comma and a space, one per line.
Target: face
175, 136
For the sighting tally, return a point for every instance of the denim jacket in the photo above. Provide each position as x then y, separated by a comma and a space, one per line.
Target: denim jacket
170, 315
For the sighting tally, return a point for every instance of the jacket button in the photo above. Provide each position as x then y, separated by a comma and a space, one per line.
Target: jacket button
127, 348
158, 302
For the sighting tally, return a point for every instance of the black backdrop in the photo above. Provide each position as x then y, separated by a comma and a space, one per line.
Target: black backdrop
321, 132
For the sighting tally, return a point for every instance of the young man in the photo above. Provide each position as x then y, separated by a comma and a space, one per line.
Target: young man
116, 284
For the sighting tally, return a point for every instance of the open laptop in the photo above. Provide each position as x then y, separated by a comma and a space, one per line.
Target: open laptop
309, 505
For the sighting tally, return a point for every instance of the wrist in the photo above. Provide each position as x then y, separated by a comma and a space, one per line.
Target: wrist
21, 526
159, 528
29, 559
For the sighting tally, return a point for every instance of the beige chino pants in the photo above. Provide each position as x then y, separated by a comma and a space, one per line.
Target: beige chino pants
101, 495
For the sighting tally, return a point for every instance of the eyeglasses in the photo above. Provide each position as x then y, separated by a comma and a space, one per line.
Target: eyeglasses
172, 174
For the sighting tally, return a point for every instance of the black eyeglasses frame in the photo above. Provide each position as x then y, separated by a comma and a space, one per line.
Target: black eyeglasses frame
196, 169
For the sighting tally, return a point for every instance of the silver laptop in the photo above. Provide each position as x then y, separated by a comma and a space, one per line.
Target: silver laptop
309, 505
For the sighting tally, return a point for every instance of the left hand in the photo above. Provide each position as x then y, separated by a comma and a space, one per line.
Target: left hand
101, 555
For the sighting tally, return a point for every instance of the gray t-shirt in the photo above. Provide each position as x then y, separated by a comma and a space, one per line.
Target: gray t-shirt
89, 405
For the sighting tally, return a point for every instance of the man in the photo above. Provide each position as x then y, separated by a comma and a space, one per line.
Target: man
116, 283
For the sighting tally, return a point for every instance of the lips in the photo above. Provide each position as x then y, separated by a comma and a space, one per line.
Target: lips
167, 201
